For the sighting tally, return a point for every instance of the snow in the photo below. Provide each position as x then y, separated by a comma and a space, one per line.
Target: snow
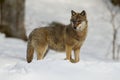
95, 63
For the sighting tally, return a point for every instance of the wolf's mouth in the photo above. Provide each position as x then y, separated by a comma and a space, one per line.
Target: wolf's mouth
74, 28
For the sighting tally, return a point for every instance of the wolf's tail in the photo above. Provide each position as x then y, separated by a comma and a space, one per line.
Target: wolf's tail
30, 52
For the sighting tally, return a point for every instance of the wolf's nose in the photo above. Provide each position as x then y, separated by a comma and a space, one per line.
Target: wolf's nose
74, 27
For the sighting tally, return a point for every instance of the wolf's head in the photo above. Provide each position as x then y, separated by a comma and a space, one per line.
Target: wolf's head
78, 20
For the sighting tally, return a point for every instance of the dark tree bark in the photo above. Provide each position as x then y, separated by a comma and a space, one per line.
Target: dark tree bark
116, 2
12, 18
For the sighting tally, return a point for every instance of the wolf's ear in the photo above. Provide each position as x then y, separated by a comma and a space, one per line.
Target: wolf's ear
83, 13
73, 13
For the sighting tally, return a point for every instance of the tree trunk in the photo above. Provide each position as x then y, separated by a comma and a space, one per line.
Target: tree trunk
12, 18
116, 2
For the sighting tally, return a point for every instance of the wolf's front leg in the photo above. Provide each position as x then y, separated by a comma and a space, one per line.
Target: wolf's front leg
68, 52
77, 54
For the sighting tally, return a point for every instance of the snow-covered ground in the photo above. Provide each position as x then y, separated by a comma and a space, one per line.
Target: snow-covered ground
95, 63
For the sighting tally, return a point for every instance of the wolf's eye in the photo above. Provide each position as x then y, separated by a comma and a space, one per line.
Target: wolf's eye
73, 21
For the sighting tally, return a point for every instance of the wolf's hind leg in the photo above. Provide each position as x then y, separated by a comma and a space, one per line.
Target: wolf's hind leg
41, 50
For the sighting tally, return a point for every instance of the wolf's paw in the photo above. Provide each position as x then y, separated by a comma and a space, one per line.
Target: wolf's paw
74, 61
67, 60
